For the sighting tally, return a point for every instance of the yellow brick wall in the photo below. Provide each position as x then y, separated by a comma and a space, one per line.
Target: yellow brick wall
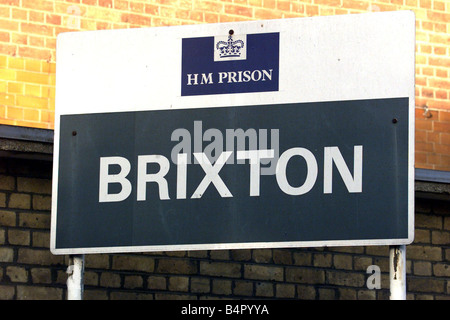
28, 30
27, 91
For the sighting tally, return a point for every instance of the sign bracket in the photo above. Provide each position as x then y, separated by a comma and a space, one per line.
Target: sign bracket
75, 280
397, 272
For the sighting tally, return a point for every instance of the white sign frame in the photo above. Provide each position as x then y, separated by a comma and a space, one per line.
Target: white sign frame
332, 58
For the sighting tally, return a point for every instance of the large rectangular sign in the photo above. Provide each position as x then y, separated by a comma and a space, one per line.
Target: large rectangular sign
281, 133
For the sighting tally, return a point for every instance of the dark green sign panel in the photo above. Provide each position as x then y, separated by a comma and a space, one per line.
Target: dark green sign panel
288, 175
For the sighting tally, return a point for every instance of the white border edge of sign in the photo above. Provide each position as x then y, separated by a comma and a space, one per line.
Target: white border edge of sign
411, 137
228, 246
249, 245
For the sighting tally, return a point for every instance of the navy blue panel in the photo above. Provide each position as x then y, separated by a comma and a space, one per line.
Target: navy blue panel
250, 74
380, 211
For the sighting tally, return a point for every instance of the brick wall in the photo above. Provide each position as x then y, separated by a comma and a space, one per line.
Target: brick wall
29, 271
28, 30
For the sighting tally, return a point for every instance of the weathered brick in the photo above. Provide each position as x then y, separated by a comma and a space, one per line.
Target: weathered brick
322, 259
241, 254
440, 237
343, 261
422, 268
7, 292
423, 253
264, 289
38, 256
137, 263
306, 292
281, 256
200, 285
355, 249
378, 250
110, 280
408, 267
6, 254
304, 275
384, 294
41, 239
105, 3
41, 275
19, 201
243, 288
446, 223
238, 10
385, 281
198, 254
42, 202
90, 294
34, 220
7, 182
176, 266
383, 263
441, 270
53, 19
90, 278
284, 290
262, 272
43, 5
2, 200
175, 253
98, 261
7, 218
137, 19
220, 269
220, 254
38, 293
347, 293
420, 297
19, 237
422, 236
362, 262
220, 286
425, 284
31, 52
428, 221
173, 296
345, 279
302, 258
156, 283
178, 283
366, 294
120, 295
34, 185
133, 282
17, 274
327, 294
262, 255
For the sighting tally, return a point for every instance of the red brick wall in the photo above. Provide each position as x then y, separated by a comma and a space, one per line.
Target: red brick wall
28, 30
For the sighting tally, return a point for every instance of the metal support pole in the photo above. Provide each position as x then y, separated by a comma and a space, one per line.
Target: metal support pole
397, 272
75, 280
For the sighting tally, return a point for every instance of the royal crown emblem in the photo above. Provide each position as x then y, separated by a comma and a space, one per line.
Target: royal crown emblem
230, 48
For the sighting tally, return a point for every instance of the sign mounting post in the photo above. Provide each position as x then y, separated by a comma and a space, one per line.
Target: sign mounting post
397, 272
75, 280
